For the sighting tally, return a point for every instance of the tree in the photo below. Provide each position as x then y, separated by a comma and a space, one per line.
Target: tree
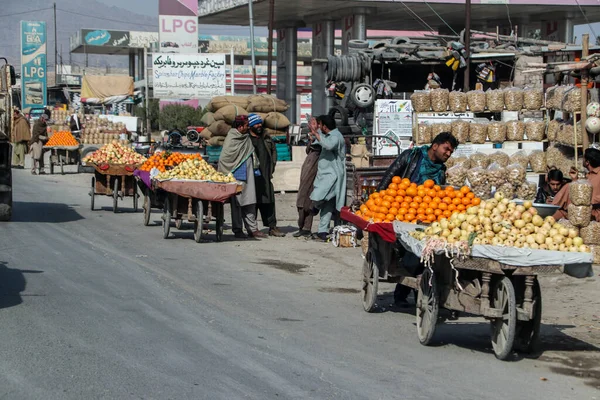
180, 116
140, 112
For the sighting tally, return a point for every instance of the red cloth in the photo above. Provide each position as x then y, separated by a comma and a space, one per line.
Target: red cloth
384, 229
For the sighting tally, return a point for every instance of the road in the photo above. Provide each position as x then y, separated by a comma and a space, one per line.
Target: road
95, 305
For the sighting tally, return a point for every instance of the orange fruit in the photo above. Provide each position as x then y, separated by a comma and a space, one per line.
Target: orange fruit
427, 199
358, 213
390, 217
392, 192
408, 199
370, 203
383, 210
412, 184
386, 203
388, 198
449, 189
446, 200
436, 199
421, 192
404, 204
476, 201
368, 213
437, 188
380, 216
377, 220
399, 217
393, 185
447, 214
412, 211
402, 211
418, 199
402, 186
441, 194
406, 181
374, 195
401, 192
437, 212
420, 211
363, 208
396, 180
421, 217
378, 202
414, 205
382, 193
395, 204
465, 190
470, 195
434, 205
456, 201
451, 194
399, 199
459, 195
461, 207
451, 207
466, 201
429, 211
409, 217
411, 191
393, 210
366, 218
431, 218
429, 183
431, 193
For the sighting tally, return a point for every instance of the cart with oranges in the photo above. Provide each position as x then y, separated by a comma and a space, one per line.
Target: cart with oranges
64, 149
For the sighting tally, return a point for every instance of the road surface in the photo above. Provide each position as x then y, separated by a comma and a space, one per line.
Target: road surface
95, 305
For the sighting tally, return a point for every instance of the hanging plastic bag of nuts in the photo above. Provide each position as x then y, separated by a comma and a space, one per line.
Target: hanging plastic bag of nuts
566, 135
560, 96
535, 130
526, 191
515, 174
464, 161
572, 99
515, 131
579, 215
533, 99
591, 233
456, 175
580, 192
439, 100
537, 160
477, 132
499, 158
458, 102
494, 99
507, 190
596, 253
423, 134
479, 160
551, 98
436, 129
513, 99
477, 176
496, 175
421, 101
476, 100
460, 130
553, 128
497, 132
521, 158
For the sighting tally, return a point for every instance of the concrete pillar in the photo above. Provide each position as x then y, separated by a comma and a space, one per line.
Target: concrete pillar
141, 65
291, 59
132, 64
322, 46
354, 27
280, 90
569, 28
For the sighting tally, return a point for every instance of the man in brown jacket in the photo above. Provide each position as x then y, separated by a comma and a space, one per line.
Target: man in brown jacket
39, 136
21, 134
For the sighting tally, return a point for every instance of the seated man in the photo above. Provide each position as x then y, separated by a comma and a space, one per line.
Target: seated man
554, 182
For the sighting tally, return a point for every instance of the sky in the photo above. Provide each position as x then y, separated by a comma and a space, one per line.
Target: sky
146, 7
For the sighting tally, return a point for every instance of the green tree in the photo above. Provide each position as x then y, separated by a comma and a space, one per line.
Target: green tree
180, 116
140, 112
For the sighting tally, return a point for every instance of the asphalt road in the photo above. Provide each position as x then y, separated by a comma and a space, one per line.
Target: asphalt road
95, 305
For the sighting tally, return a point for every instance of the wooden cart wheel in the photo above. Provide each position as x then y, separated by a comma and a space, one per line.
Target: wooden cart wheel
199, 222
370, 283
166, 217
220, 220
503, 328
527, 338
135, 197
62, 169
147, 210
178, 223
115, 195
428, 305
93, 192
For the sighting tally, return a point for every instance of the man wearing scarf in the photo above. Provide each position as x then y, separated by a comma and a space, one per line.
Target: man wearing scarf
420, 164
237, 158
21, 134
266, 152
39, 136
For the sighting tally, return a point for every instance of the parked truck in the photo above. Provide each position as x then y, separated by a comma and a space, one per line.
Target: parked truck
7, 80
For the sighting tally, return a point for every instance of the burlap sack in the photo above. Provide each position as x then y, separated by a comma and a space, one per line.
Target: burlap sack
229, 112
277, 121
206, 134
208, 119
218, 102
274, 132
265, 103
216, 141
219, 128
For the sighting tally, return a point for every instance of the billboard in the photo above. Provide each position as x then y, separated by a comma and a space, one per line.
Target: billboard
178, 30
188, 76
102, 37
33, 64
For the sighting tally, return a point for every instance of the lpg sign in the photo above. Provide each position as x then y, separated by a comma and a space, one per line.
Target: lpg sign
178, 34
33, 64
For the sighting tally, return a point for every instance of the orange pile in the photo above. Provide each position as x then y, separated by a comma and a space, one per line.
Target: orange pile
167, 160
408, 202
62, 138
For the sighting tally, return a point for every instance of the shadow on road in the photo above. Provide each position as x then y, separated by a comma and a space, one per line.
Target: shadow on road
44, 212
12, 284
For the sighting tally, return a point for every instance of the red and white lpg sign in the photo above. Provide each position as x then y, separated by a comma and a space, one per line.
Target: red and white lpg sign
178, 34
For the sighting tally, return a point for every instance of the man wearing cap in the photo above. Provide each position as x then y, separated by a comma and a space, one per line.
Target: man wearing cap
21, 134
39, 136
266, 152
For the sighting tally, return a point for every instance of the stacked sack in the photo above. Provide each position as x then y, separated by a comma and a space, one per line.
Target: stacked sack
222, 111
270, 109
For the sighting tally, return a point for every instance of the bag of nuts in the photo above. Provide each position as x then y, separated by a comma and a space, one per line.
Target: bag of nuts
507, 190
513, 99
476, 100
553, 128
526, 191
535, 130
537, 160
477, 132
494, 99
579, 215
515, 174
515, 131
572, 99
458, 102
533, 99
551, 99
460, 130
459, 160
423, 134
591, 233
436, 129
477, 176
439, 100
456, 176
499, 158
483, 191
580, 192
479, 160
496, 175
421, 101
497, 132
520, 157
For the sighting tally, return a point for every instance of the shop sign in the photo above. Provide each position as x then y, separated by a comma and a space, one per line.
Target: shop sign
33, 64
102, 37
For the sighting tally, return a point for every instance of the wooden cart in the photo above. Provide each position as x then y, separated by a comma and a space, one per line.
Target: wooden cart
116, 181
153, 198
197, 202
508, 296
64, 155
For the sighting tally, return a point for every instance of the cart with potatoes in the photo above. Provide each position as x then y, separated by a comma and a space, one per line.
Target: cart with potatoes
497, 283
115, 181
198, 202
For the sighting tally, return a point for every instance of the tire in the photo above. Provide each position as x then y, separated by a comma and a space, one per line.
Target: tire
62, 167
358, 44
220, 220
362, 95
428, 304
147, 207
527, 336
115, 195
166, 217
400, 40
93, 193
339, 114
198, 224
370, 284
330, 68
135, 197
504, 328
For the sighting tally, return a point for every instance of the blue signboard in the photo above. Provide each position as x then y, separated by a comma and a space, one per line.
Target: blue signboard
33, 64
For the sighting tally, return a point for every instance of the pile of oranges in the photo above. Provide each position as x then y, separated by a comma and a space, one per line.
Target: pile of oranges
62, 138
406, 201
167, 160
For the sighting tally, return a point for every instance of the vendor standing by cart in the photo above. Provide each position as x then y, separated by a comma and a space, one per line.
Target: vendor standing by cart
39, 136
420, 164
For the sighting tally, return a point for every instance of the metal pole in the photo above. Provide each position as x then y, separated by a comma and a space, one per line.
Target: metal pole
147, 97
232, 73
252, 46
585, 43
270, 45
55, 44
467, 83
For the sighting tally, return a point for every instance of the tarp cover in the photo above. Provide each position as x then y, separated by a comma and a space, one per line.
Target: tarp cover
103, 86
203, 190
578, 265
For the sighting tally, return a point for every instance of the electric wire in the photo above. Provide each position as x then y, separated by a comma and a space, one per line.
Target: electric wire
587, 20
440, 17
419, 19
25, 12
509, 20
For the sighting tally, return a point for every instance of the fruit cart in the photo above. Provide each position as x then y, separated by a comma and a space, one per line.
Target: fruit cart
498, 283
63, 155
153, 199
116, 181
191, 200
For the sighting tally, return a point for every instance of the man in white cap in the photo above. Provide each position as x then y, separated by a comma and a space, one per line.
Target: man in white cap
266, 153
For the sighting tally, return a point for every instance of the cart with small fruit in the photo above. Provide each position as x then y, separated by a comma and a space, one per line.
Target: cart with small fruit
64, 150
482, 261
